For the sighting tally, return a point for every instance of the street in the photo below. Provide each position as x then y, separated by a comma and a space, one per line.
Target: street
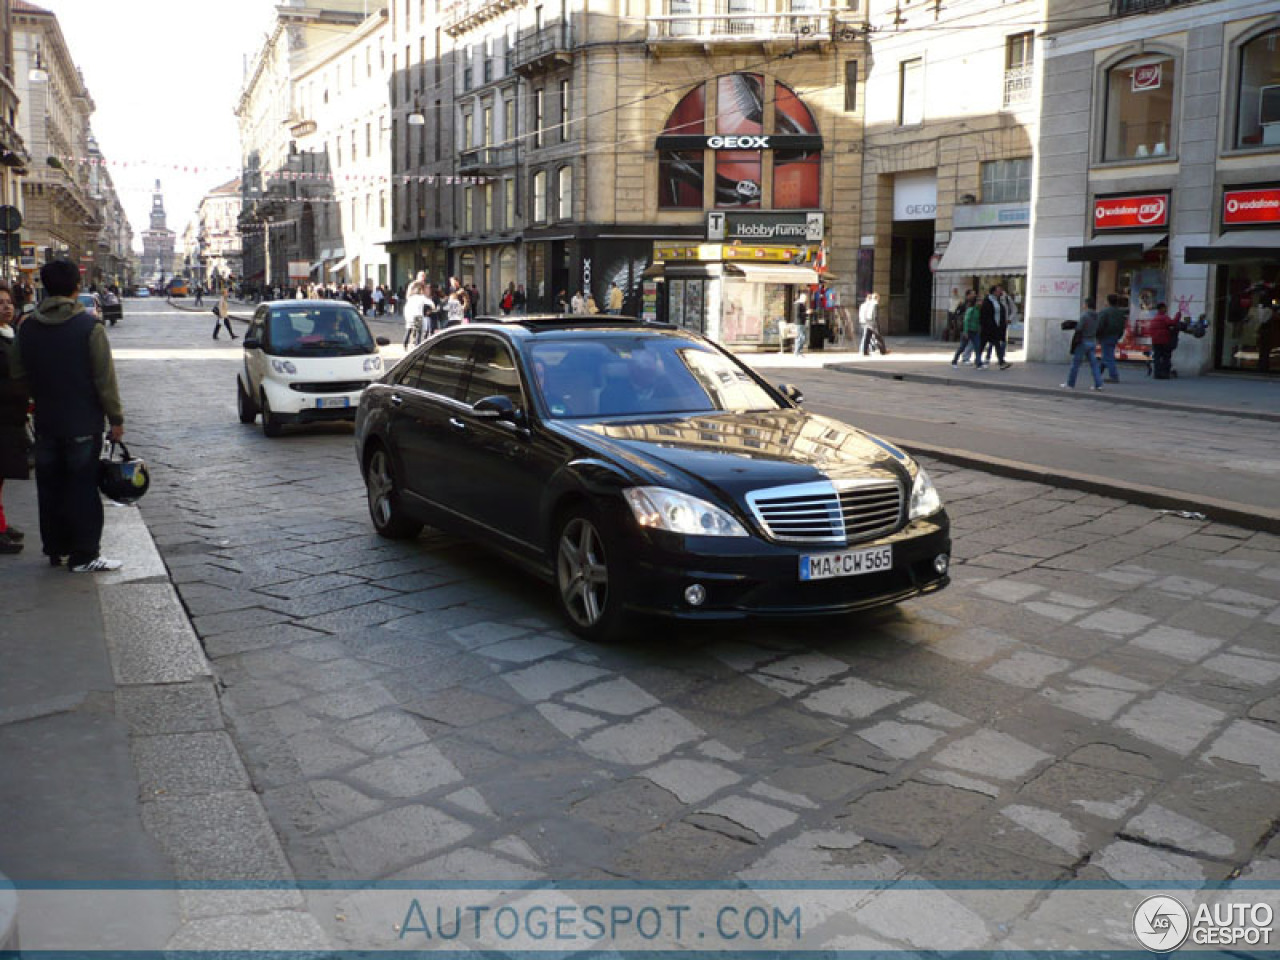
1095, 696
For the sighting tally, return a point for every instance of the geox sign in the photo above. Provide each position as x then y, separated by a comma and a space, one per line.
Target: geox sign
768, 141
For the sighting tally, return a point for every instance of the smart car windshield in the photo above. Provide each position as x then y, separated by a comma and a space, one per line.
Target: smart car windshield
318, 331
640, 376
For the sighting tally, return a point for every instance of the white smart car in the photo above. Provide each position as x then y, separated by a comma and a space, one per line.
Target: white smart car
305, 361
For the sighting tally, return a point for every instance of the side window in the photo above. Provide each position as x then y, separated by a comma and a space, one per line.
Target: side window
410, 374
494, 373
444, 367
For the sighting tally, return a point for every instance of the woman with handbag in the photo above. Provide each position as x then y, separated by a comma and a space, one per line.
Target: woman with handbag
14, 402
223, 314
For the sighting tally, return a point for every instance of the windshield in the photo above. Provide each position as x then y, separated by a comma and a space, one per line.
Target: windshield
640, 376
317, 331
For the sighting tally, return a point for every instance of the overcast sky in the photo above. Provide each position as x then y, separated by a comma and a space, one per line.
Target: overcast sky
164, 76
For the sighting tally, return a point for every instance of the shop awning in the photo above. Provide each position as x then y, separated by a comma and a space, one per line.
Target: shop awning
987, 251
773, 273
1237, 248
316, 266
340, 264
1127, 247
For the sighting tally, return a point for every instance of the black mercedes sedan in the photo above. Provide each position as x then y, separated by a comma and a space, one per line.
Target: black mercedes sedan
642, 469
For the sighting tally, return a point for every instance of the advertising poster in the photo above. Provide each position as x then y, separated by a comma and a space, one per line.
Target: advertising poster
675, 302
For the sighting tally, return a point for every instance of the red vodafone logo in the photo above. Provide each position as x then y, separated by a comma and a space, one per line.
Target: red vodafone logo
1120, 213
1251, 206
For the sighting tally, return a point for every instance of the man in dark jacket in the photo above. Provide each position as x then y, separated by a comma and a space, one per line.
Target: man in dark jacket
1111, 323
994, 315
66, 357
1163, 331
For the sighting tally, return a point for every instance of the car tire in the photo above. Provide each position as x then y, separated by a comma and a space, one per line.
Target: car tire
588, 588
383, 493
244, 406
271, 424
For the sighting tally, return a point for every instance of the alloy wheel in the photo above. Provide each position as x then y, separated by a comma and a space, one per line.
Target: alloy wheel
582, 572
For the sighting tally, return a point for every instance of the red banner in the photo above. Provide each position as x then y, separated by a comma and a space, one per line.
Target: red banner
1251, 206
1126, 213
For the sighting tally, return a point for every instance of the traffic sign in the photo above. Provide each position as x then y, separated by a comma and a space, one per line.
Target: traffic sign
10, 218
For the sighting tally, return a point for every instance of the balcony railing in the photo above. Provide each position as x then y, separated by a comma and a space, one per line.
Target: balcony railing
486, 158
1124, 7
747, 27
1017, 84
535, 48
461, 15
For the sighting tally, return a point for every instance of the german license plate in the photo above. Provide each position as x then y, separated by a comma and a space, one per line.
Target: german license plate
846, 563
323, 402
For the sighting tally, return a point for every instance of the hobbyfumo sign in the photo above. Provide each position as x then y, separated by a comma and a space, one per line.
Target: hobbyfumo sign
790, 227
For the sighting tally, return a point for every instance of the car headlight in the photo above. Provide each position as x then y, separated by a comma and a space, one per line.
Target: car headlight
664, 509
283, 366
372, 364
924, 496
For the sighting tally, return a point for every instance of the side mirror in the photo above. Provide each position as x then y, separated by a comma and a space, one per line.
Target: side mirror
499, 408
251, 343
382, 341
791, 392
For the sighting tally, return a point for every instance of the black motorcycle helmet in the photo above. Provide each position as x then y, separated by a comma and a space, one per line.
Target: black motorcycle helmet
124, 480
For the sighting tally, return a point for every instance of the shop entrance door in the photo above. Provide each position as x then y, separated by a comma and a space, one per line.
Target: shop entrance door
910, 279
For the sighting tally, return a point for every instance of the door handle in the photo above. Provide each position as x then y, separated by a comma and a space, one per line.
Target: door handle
457, 424
397, 400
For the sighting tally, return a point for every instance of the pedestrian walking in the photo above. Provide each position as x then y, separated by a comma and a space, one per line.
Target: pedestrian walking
415, 310
508, 301
970, 330
994, 315
222, 317
800, 323
1111, 324
1163, 331
520, 301
65, 355
199, 301
579, 303
1085, 346
13, 421
869, 323
613, 299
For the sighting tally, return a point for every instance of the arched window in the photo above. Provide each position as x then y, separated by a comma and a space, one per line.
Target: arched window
1139, 109
742, 147
1258, 96
564, 192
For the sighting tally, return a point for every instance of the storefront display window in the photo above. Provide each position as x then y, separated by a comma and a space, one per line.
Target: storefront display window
675, 302
796, 180
1258, 99
681, 173
1139, 118
741, 104
738, 178
1140, 285
1249, 312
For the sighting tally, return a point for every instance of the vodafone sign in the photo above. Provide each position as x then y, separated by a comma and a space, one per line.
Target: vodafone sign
1260, 205
1127, 213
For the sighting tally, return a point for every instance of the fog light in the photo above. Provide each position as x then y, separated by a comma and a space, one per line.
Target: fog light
695, 595
941, 562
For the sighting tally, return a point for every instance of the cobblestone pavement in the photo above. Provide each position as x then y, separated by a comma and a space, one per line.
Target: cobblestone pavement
1096, 696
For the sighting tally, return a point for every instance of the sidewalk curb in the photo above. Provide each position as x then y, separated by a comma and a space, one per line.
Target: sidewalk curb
1224, 511
1102, 396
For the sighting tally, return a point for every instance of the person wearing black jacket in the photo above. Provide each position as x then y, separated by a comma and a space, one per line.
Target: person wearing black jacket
13, 421
995, 323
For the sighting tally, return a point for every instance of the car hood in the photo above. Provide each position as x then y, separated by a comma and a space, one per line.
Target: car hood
738, 452
329, 368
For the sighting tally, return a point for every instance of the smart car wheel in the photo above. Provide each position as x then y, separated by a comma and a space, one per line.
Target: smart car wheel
588, 595
244, 406
388, 516
271, 425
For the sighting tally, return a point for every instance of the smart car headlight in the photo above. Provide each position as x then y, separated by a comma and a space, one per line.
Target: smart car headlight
372, 364
283, 366
663, 509
924, 496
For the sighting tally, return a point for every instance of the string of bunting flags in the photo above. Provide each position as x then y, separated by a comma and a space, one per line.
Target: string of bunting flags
288, 175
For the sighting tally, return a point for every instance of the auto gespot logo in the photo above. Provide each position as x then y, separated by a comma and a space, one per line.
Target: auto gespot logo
1116, 213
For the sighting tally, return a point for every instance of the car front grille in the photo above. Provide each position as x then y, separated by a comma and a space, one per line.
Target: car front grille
825, 512
331, 386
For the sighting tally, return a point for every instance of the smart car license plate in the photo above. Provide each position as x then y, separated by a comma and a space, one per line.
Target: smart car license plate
323, 402
846, 563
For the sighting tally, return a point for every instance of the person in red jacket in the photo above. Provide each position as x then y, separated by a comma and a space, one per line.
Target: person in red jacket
1163, 331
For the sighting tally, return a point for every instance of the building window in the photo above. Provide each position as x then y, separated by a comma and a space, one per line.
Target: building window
468, 208
564, 110
509, 118
467, 57
1258, 96
911, 92
466, 131
368, 139
1139, 109
540, 197
681, 173
487, 121
537, 118
488, 208
1007, 181
564, 192
439, 146
355, 150
850, 86
509, 203
739, 173
382, 208
1019, 66
487, 69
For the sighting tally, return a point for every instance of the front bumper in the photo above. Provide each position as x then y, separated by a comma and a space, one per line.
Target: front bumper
756, 578
304, 407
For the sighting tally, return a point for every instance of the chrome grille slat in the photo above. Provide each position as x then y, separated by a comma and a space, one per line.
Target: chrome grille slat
826, 512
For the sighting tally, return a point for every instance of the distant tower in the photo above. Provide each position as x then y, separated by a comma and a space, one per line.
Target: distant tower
158, 243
